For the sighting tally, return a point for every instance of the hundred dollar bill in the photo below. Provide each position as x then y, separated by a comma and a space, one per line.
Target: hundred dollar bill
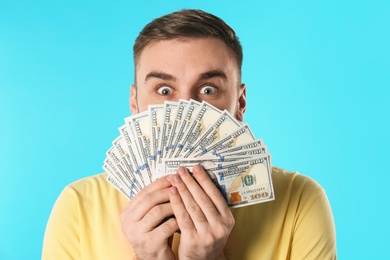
171, 165
110, 168
114, 182
139, 125
206, 115
251, 145
246, 184
244, 153
220, 128
114, 161
169, 112
121, 147
156, 120
119, 180
239, 136
241, 182
181, 107
189, 116
135, 157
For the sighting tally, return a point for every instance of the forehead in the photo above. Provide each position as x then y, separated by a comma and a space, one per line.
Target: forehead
186, 54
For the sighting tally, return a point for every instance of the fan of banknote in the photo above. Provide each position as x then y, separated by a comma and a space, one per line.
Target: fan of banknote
158, 141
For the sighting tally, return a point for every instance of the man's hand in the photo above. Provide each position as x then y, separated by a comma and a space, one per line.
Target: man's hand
204, 219
142, 221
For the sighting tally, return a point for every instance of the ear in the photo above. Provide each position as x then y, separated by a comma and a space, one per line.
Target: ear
241, 102
133, 100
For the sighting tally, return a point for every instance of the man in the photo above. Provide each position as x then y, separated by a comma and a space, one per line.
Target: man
189, 55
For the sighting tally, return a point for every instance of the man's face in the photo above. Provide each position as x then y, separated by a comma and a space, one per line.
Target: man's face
194, 68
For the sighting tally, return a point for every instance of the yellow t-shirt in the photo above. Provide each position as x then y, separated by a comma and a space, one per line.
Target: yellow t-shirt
298, 224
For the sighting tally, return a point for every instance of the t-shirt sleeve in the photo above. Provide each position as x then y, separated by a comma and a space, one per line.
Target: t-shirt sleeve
62, 240
314, 235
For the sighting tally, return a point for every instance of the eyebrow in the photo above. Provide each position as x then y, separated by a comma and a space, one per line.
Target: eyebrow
169, 77
160, 75
213, 74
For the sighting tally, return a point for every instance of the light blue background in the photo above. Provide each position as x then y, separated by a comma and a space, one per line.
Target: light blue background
318, 93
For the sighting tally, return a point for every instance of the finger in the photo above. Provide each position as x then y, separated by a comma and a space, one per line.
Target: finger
156, 216
159, 184
203, 179
166, 230
182, 216
149, 200
152, 219
196, 201
201, 197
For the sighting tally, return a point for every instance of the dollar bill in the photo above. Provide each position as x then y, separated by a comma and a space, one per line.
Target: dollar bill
188, 118
134, 155
206, 115
169, 112
118, 180
139, 126
249, 153
111, 169
171, 165
181, 107
246, 184
116, 165
156, 117
125, 161
240, 135
241, 181
250, 145
220, 128
112, 179
114, 161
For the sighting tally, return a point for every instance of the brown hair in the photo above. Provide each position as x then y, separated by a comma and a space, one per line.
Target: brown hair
188, 24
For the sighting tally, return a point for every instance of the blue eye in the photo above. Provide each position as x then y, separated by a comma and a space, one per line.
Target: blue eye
208, 90
164, 90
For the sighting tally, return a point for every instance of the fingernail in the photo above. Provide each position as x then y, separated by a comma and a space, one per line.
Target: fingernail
168, 178
182, 171
173, 190
197, 168
177, 179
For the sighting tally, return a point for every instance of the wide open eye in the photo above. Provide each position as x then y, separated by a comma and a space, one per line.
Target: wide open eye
164, 90
208, 90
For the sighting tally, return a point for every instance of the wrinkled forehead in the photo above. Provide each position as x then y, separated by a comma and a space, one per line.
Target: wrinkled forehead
171, 51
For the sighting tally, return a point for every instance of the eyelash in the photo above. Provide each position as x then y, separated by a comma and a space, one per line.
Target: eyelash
215, 88
161, 86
